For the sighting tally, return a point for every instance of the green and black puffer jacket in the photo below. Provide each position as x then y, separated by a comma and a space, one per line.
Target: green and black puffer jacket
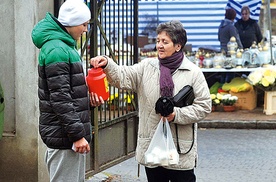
62, 90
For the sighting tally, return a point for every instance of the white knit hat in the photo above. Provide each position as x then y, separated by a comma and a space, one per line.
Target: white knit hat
73, 13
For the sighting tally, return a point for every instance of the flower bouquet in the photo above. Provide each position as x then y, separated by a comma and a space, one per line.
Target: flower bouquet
263, 78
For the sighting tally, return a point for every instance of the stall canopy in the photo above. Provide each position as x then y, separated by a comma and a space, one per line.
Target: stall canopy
200, 18
254, 5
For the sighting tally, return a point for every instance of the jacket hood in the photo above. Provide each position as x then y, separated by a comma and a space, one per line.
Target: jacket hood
50, 29
225, 22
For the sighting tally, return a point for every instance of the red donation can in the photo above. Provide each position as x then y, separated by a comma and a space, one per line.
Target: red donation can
97, 82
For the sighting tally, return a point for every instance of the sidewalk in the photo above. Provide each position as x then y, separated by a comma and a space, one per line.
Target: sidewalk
241, 119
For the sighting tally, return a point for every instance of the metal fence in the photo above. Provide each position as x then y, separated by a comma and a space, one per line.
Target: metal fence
113, 32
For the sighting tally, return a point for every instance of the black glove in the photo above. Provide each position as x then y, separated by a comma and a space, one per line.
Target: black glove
164, 106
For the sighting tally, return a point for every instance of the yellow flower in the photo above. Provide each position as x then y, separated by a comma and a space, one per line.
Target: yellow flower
217, 101
267, 72
270, 79
273, 73
219, 96
265, 82
113, 97
213, 96
129, 98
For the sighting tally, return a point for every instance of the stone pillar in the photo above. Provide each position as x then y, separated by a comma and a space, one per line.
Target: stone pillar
21, 149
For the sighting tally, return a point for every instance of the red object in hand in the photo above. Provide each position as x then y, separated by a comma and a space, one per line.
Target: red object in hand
97, 82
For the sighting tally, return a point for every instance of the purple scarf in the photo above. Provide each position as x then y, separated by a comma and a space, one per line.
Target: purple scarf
167, 67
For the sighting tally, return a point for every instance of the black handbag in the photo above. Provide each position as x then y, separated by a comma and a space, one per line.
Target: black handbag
184, 98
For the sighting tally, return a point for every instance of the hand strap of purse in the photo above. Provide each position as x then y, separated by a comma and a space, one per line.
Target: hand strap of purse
177, 142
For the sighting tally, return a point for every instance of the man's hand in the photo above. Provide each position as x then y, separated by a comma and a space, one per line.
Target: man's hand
82, 146
95, 100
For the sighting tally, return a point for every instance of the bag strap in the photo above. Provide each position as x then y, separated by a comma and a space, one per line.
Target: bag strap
177, 142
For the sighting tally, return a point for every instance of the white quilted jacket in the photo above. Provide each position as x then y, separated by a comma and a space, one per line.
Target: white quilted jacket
143, 78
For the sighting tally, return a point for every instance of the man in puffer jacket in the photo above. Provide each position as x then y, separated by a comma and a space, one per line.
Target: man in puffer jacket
64, 122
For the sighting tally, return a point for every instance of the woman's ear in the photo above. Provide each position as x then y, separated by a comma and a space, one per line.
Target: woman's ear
177, 47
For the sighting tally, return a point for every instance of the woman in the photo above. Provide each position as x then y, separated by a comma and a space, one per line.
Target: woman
165, 76
228, 30
248, 29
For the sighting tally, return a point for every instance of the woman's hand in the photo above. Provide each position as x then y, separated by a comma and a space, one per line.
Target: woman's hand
98, 61
95, 100
170, 117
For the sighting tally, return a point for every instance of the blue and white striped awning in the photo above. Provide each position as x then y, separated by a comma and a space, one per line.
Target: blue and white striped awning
254, 6
200, 18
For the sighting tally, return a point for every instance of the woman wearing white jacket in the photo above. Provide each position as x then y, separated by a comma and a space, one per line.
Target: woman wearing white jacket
164, 76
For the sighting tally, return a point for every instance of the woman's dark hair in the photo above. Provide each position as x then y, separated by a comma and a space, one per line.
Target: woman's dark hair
246, 9
175, 31
230, 14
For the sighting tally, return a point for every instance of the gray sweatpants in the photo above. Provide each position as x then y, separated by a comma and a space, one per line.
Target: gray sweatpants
65, 165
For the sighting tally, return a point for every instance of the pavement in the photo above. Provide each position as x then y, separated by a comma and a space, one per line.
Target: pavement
232, 147
240, 119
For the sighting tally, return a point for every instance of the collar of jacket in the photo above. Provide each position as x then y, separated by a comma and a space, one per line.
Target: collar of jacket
185, 65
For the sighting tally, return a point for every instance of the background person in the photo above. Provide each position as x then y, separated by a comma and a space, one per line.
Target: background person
248, 29
63, 94
225, 32
164, 76
228, 30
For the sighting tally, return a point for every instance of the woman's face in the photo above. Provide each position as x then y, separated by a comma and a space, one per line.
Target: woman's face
77, 31
245, 15
164, 45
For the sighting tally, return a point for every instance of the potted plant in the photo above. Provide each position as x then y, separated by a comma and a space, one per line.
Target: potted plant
215, 101
228, 102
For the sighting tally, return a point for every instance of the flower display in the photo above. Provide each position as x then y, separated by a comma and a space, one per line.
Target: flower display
264, 78
215, 99
228, 99
129, 98
113, 99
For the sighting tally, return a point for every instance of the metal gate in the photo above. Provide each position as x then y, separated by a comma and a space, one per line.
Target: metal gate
113, 31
